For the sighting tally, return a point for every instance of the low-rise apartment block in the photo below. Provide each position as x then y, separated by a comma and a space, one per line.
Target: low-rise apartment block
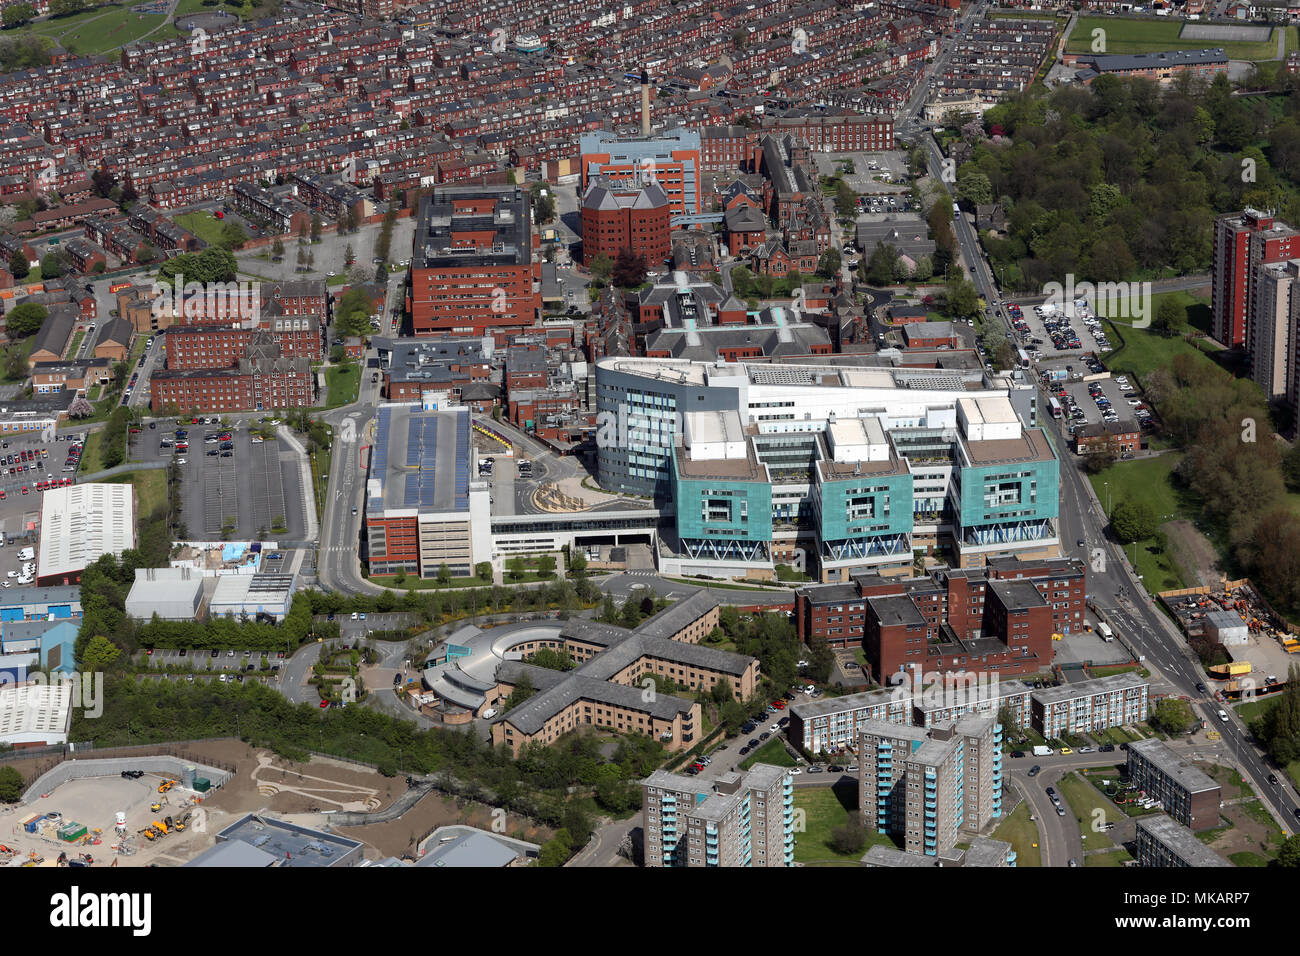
1090, 705
1188, 793
1163, 841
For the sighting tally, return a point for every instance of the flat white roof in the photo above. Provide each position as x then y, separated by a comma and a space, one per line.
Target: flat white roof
80, 523
989, 409
32, 713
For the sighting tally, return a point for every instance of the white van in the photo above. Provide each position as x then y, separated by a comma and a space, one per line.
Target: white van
26, 554
1106, 633
489, 713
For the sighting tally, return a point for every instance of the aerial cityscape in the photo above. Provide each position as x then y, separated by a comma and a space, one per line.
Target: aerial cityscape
464, 434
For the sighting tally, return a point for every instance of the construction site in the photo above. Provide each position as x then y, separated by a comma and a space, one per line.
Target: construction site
1260, 644
143, 807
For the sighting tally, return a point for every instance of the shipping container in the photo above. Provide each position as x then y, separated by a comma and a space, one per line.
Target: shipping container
202, 784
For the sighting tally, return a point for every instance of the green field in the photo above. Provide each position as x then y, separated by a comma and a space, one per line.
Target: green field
90, 453
1085, 802
1123, 35
772, 752
1143, 350
341, 384
1146, 479
202, 225
1022, 834
822, 811
98, 31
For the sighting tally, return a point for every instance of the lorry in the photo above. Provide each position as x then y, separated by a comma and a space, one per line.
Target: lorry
1041, 750
1106, 633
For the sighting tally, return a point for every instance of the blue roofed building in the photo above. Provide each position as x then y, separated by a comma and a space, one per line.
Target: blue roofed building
423, 509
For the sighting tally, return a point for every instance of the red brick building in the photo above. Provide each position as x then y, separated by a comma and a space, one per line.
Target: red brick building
998, 618
1242, 242
632, 217
254, 384
472, 271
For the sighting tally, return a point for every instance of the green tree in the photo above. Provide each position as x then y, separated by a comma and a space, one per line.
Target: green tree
973, 187
444, 574
543, 203
1133, 521
51, 266
515, 566
19, 267
483, 570
545, 566
1173, 716
17, 13
11, 784
828, 266
1009, 721
846, 200
523, 690
233, 236
1288, 855
25, 320
577, 563
99, 654
881, 265
962, 298
850, 838
1171, 318
315, 227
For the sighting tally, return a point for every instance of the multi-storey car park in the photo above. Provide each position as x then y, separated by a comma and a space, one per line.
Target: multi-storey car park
847, 468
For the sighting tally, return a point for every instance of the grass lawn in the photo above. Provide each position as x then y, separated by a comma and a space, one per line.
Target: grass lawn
90, 454
100, 30
1085, 801
1124, 35
821, 811
1113, 858
340, 279
1247, 858
1118, 669
772, 752
76, 344
1148, 480
1022, 834
342, 383
150, 488
202, 225
1144, 351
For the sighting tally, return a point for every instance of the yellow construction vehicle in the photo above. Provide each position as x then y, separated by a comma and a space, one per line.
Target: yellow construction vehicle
148, 834
179, 825
166, 785
160, 827
155, 807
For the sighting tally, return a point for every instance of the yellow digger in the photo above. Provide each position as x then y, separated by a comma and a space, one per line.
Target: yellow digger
155, 807
149, 834
181, 821
166, 785
161, 827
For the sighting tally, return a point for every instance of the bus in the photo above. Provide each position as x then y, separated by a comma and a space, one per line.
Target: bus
1055, 406
118, 286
